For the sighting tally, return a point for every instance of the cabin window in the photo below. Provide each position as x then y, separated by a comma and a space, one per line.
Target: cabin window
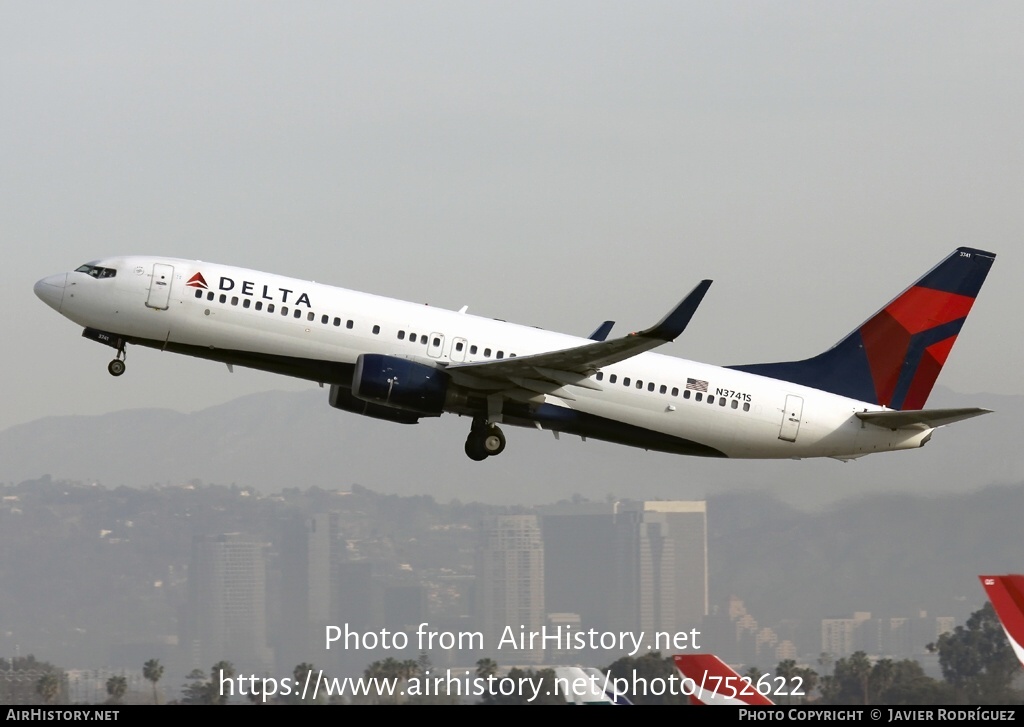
487, 352
309, 317
284, 310
612, 378
501, 354
376, 330
401, 335
625, 381
423, 338
337, 321
199, 294
711, 399
675, 391
458, 346
324, 319
246, 303
223, 298
600, 375
349, 323
259, 305
746, 406
721, 402
472, 349
735, 404
234, 300
270, 307
662, 390
698, 396
686, 394
639, 384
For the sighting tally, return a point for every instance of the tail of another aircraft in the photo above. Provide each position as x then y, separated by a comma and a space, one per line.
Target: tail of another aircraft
715, 682
1007, 596
894, 357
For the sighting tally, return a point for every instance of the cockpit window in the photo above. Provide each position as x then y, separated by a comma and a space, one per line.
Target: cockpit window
96, 271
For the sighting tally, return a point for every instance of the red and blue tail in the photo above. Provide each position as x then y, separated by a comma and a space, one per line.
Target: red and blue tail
894, 358
712, 681
1007, 596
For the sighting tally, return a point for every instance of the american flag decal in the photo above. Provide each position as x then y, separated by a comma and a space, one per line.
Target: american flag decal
697, 385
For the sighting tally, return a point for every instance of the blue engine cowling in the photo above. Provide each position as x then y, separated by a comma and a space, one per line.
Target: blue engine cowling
400, 384
341, 398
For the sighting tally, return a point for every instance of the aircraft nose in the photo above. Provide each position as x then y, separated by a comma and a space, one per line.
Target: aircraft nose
50, 290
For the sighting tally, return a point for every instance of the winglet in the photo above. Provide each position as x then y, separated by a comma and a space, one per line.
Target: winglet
602, 331
669, 327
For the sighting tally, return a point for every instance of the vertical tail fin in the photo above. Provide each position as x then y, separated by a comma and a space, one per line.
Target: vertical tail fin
1007, 596
894, 357
715, 682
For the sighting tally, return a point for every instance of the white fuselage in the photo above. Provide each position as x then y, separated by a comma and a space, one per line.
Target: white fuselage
242, 311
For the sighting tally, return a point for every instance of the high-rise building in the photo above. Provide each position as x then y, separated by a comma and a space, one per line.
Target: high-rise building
578, 554
307, 548
510, 588
839, 636
227, 603
660, 571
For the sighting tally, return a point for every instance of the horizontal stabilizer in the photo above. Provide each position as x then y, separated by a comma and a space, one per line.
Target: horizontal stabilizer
919, 418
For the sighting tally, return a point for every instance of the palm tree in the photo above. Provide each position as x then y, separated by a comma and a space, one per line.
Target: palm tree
116, 688
153, 671
787, 669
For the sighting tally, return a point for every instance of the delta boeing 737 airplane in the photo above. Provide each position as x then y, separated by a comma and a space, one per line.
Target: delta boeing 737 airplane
402, 362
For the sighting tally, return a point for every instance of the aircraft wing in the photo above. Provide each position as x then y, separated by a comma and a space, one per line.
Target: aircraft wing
920, 419
547, 372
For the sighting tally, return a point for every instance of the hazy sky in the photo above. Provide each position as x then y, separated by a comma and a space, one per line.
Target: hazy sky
550, 163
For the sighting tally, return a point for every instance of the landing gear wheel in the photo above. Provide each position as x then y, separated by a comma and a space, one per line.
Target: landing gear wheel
116, 367
484, 440
493, 441
474, 448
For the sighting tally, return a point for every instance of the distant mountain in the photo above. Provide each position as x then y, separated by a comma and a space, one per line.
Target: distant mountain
891, 554
277, 439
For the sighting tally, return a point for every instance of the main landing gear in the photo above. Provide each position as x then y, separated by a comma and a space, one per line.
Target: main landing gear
116, 367
484, 440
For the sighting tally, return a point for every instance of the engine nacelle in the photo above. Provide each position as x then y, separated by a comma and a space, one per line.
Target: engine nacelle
399, 383
341, 398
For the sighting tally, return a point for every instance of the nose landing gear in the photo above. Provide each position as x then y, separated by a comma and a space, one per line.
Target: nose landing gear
484, 440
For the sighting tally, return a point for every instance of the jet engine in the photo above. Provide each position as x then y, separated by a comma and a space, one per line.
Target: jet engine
341, 398
400, 383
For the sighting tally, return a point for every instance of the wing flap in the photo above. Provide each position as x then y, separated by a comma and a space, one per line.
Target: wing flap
919, 419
